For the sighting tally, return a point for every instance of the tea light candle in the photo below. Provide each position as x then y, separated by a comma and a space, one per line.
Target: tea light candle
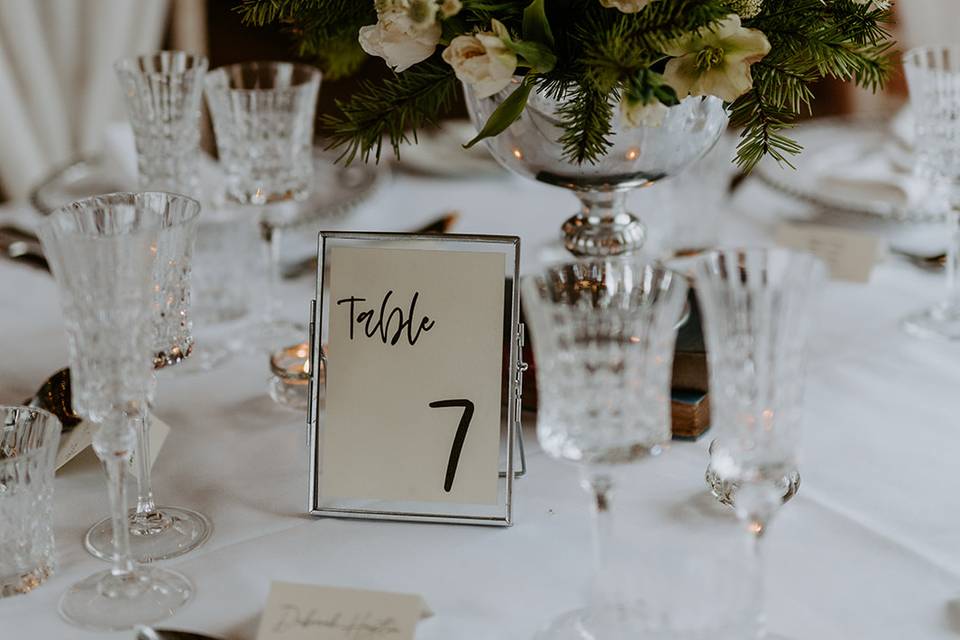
289, 383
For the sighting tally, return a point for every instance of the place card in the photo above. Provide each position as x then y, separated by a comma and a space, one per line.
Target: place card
76, 445
419, 397
309, 612
850, 255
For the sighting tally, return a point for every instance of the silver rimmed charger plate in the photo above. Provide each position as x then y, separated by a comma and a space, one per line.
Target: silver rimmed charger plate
336, 189
821, 137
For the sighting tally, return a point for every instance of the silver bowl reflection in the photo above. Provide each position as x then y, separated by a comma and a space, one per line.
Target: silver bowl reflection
638, 157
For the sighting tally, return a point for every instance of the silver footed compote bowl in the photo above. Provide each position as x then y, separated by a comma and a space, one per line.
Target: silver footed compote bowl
639, 156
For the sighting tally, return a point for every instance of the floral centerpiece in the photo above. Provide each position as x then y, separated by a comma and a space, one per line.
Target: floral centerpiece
636, 56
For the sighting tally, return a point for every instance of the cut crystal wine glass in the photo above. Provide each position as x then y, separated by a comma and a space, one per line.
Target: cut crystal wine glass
103, 253
756, 307
161, 532
162, 92
933, 77
603, 336
28, 452
263, 115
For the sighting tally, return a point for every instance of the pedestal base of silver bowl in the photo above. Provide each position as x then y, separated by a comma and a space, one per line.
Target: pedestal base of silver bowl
603, 237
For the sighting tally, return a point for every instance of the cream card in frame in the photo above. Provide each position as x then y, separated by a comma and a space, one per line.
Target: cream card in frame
420, 352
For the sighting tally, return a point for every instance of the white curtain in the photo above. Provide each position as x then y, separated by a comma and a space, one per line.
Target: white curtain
928, 22
57, 85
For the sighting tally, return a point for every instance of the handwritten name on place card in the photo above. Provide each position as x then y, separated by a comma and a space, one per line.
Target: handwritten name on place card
850, 255
309, 612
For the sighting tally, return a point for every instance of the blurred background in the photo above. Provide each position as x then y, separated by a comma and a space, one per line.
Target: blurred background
58, 93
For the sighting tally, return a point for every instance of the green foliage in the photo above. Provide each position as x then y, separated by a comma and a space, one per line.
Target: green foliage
390, 108
506, 114
586, 119
810, 40
325, 30
591, 56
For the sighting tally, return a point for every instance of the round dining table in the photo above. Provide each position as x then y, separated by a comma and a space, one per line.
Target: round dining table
868, 549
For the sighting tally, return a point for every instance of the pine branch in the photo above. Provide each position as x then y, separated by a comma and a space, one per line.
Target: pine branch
586, 117
762, 124
407, 101
810, 40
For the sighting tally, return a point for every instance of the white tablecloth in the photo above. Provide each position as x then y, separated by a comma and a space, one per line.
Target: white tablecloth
868, 549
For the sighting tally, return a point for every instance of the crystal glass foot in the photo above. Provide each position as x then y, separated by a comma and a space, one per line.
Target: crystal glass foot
167, 533
104, 602
639, 156
941, 321
608, 623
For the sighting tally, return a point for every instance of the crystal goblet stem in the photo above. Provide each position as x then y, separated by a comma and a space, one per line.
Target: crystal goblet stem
159, 532
606, 579
126, 594
271, 235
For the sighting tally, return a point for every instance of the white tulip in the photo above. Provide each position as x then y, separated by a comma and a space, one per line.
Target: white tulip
481, 61
399, 40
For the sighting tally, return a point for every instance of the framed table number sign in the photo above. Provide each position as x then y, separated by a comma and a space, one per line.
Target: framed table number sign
414, 403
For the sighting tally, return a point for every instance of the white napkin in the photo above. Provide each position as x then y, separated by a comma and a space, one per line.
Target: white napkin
853, 172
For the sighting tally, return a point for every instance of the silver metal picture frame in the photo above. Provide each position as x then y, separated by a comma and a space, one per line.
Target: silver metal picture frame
512, 462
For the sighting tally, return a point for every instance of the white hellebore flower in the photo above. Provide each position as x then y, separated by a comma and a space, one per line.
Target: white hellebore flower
637, 114
482, 61
715, 62
626, 6
397, 39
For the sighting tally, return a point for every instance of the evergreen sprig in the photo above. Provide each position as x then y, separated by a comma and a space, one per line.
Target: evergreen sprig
395, 108
810, 40
596, 56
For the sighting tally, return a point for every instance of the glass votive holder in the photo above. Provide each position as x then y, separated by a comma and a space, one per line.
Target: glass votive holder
28, 448
290, 380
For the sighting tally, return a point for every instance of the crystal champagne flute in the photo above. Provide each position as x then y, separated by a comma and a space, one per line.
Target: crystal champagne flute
756, 306
603, 336
162, 532
102, 252
933, 77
